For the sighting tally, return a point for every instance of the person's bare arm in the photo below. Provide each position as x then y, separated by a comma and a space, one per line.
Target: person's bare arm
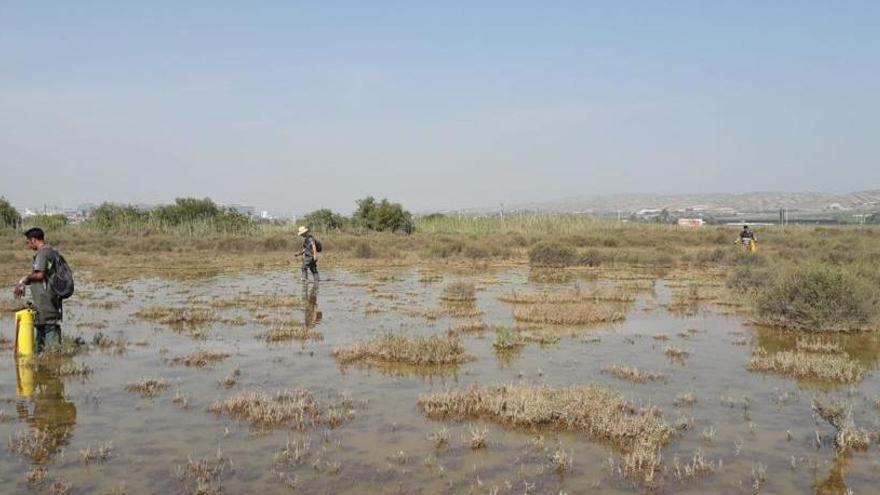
314, 249
18, 290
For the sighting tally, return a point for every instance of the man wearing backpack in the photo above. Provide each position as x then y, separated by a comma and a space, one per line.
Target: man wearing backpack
311, 248
47, 303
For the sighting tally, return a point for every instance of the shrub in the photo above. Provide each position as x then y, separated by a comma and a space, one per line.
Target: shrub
324, 220
549, 253
821, 298
383, 216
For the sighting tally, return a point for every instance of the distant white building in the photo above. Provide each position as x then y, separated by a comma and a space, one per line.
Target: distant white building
691, 222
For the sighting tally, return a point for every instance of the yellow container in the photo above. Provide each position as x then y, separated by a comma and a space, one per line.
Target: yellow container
24, 332
753, 246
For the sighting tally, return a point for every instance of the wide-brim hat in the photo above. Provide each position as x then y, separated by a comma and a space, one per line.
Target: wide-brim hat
302, 230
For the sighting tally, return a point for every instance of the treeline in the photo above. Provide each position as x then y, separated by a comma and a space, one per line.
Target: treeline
203, 216
379, 216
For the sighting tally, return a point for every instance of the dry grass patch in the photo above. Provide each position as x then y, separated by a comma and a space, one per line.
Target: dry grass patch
148, 386
200, 358
830, 368
459, 292
204, 476
569, 314
676, 352
468, 327
294, 408
284, 331
177, 317
36, 444
633, 374
600, 412
818, 345
257, 302
571, 297
507, 339
395, 348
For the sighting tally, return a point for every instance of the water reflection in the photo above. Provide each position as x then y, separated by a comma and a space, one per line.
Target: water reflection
835, 484
311, 314
43, 405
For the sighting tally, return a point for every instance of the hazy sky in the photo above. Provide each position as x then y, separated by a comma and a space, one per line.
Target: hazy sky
291, 106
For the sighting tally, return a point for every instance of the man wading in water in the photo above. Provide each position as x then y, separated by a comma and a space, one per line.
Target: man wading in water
309, 254
46, 303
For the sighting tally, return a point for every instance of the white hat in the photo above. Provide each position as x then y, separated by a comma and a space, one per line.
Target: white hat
302, 230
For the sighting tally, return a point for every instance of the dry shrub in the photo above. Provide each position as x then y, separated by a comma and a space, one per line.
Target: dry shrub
394, 348
284, 331
832, 368
459, 292
848, 436
600, 412
569, 314
552, 254
295, 408
200, 358
148, 386
633, 374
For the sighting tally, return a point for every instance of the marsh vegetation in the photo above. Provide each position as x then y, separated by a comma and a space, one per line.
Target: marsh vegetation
561, 354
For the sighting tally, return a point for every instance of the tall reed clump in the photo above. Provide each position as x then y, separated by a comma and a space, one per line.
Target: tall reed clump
819, 297
600, 412
395, 348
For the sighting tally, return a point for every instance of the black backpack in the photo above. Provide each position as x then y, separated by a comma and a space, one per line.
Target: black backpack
60, 276
318, 246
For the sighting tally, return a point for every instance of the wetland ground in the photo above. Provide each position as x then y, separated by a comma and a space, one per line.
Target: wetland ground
436, 378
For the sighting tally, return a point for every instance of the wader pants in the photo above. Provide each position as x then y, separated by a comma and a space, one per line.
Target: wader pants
310, 264
47, 334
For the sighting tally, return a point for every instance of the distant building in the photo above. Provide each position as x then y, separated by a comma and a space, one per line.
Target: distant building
691, 222
244, 210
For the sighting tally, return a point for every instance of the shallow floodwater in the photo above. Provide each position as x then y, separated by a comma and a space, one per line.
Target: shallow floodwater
746, 423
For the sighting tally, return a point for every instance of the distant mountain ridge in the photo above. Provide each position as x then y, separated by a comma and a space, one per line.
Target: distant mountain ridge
708, 202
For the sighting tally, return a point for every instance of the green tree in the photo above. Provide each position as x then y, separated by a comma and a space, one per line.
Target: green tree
9, 216
383, 216
324, 220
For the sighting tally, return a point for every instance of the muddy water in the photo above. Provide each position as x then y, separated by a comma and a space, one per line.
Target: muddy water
760, 421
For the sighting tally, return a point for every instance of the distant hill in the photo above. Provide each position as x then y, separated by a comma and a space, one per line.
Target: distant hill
721, 203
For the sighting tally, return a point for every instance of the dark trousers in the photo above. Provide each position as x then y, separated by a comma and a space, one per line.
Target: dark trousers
49, 333
310, 264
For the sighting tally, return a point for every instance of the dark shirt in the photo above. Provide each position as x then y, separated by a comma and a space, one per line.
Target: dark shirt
308, 242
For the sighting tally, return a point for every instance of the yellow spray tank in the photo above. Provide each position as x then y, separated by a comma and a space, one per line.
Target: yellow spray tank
24, 332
